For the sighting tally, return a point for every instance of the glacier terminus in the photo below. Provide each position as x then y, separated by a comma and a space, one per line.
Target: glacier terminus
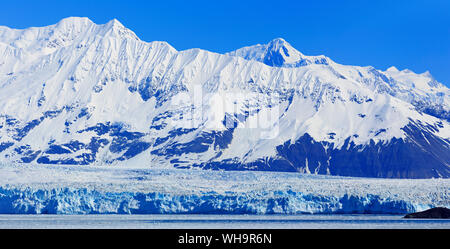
93, 120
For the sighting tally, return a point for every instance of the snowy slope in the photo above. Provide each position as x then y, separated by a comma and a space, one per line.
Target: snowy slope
421, 90
44, 189
81, 93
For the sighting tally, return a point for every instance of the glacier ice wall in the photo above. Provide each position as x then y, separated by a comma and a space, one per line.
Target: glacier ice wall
90, 201
58, 189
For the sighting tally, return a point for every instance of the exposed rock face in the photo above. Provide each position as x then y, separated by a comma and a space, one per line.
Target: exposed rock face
433, 213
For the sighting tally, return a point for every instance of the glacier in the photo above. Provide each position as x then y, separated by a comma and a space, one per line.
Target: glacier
59, 189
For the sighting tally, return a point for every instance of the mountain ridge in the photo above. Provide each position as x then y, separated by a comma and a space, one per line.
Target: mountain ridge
82, 93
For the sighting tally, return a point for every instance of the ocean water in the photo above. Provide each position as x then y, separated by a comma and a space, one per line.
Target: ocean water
218, 221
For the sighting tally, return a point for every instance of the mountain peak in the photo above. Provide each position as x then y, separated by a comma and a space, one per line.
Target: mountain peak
117, 28
406, 70
74, 22
115, 23
278, 41
82, 23
392, 69
278, 53
75, 19
427, 74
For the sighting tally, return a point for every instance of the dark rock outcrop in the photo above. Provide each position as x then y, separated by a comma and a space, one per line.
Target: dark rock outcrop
433, 213
421, 154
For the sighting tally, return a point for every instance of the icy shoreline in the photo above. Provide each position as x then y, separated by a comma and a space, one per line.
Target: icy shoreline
37, 189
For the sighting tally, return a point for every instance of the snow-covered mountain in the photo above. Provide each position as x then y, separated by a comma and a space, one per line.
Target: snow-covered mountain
278, 53
421, 90
81, 93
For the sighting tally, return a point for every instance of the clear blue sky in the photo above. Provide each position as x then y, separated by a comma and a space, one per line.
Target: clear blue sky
410, 34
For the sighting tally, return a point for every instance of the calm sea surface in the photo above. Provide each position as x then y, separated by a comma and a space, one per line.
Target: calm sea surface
220, 221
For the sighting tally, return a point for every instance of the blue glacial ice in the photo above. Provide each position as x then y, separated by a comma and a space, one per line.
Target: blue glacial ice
38, 189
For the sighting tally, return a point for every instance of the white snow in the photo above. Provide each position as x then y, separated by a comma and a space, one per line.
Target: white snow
65, 62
